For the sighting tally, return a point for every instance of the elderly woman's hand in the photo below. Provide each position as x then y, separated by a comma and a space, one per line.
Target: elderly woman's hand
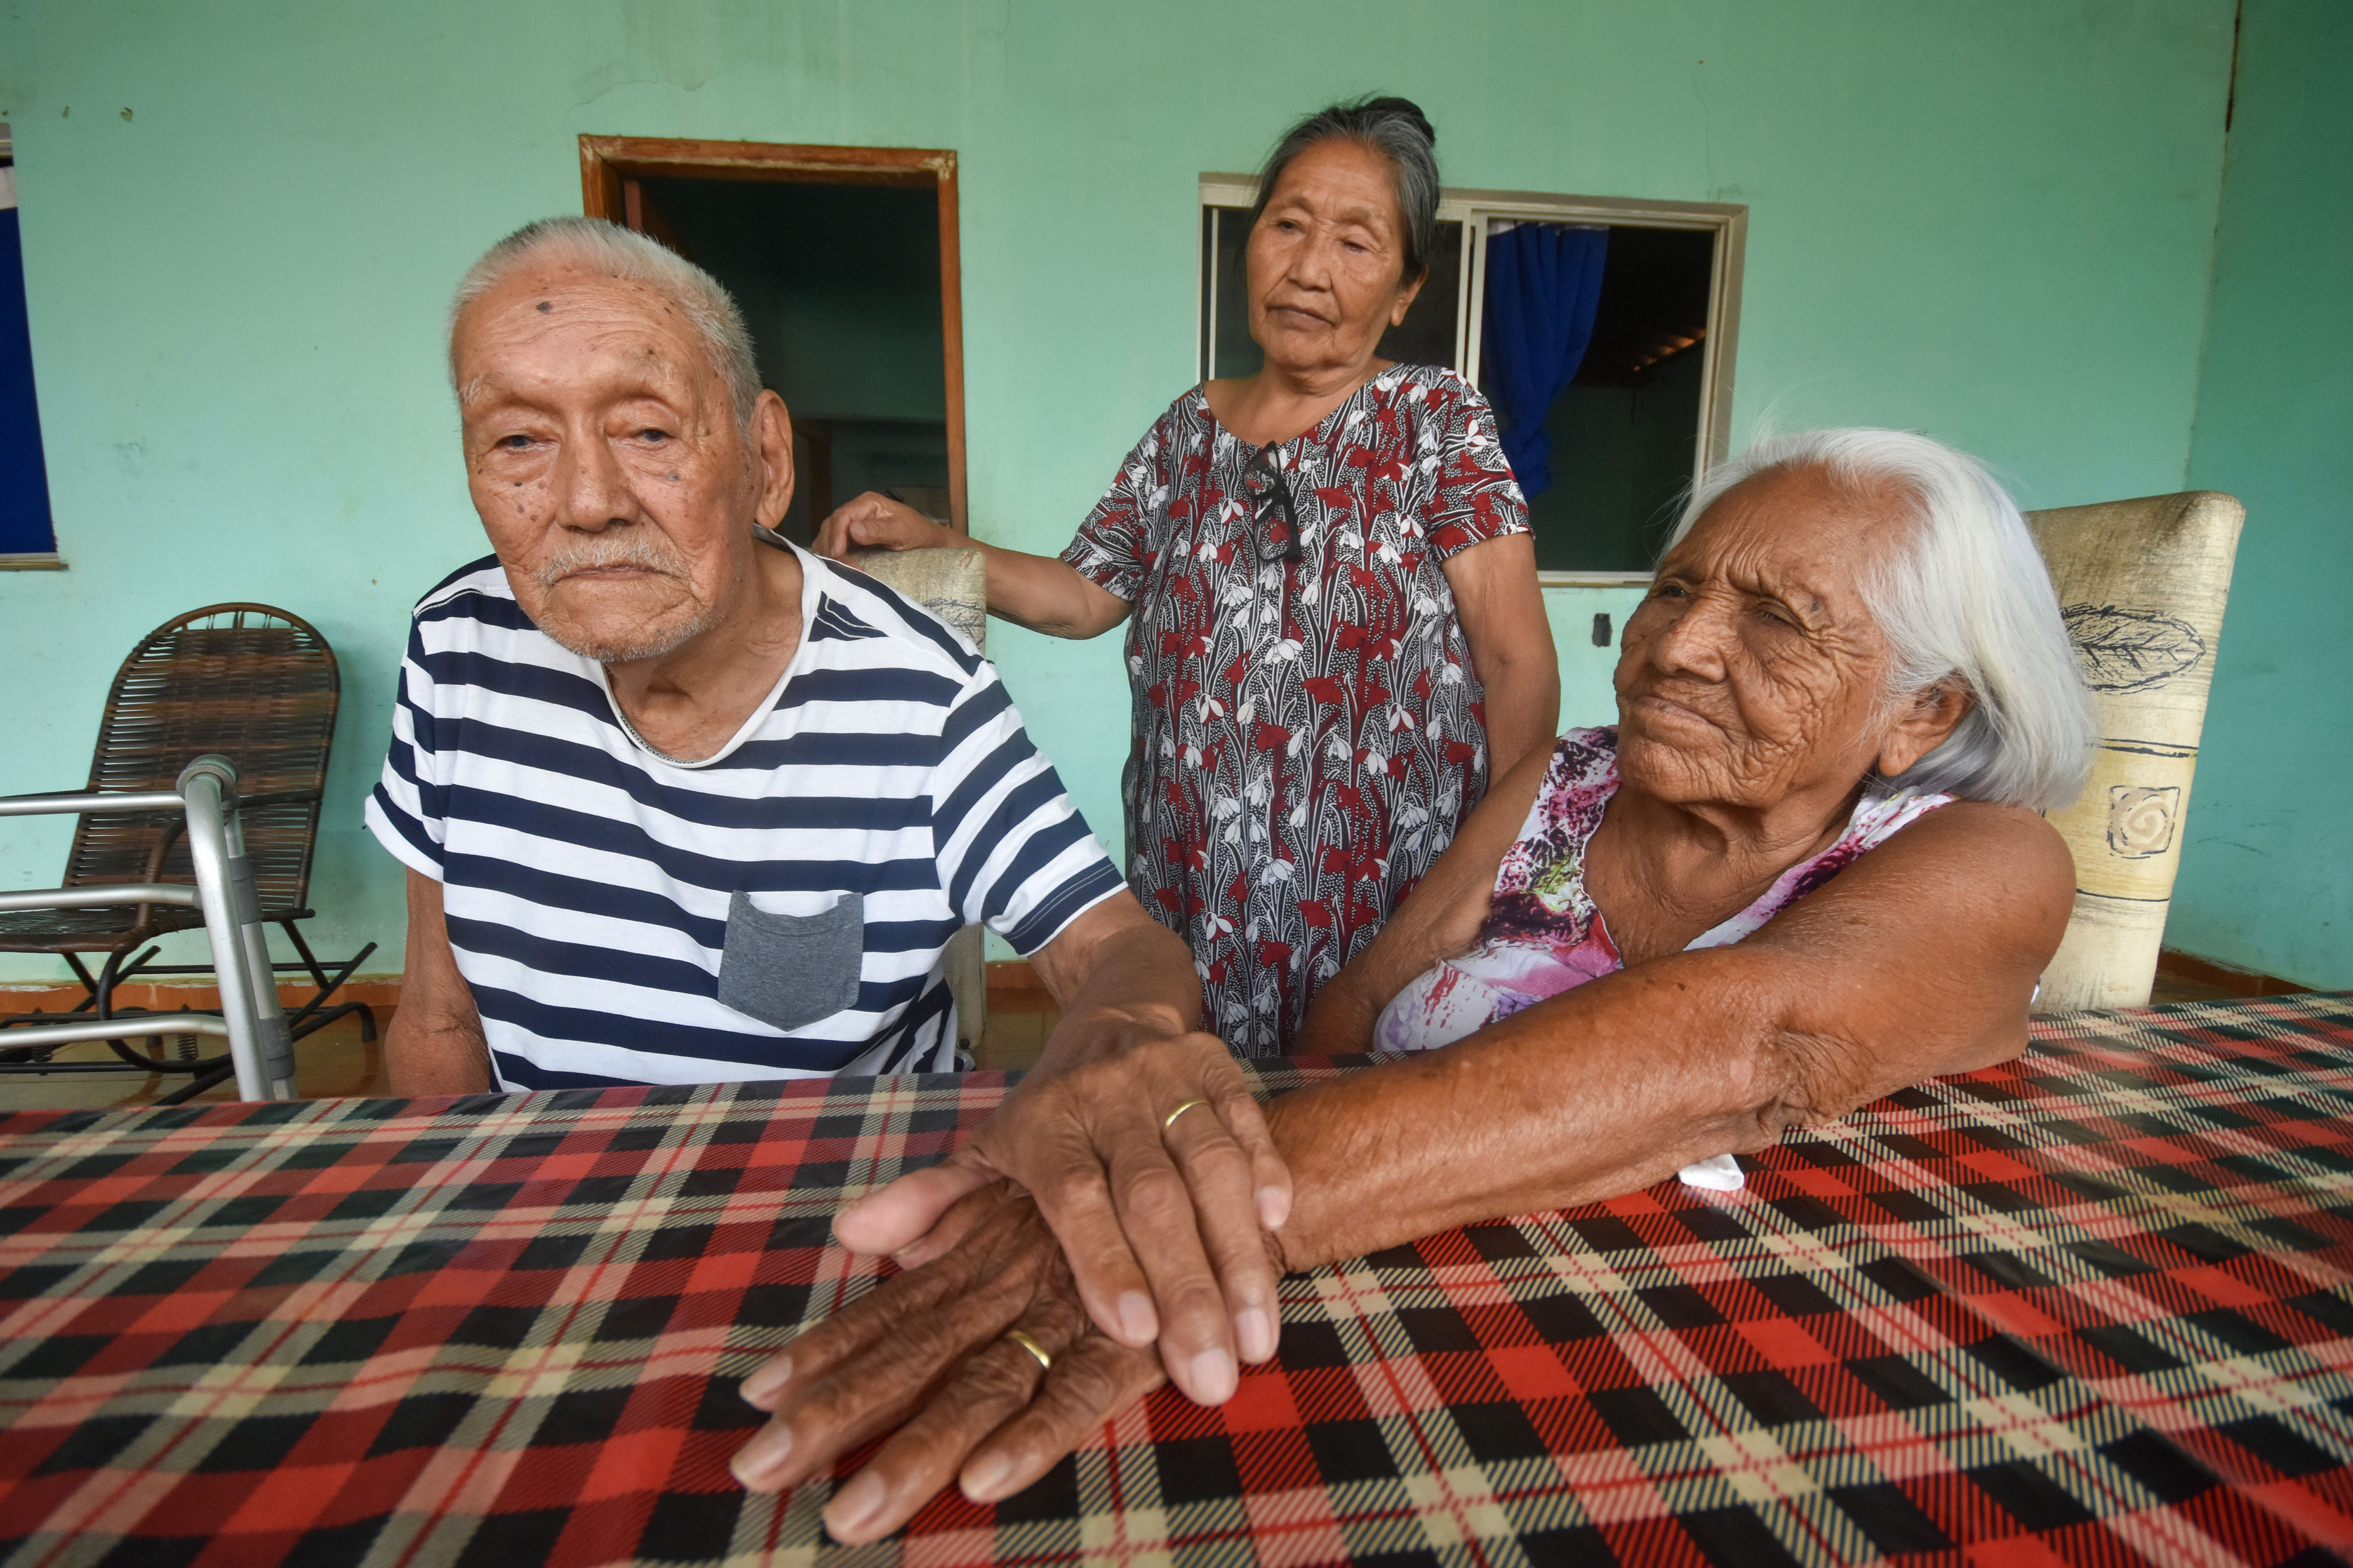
871, 521
1144, 1148
931, 1352
1164, 1222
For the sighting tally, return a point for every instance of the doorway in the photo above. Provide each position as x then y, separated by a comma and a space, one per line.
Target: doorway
845, 262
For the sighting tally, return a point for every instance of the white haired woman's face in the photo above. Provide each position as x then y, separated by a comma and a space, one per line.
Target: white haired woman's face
1753, 670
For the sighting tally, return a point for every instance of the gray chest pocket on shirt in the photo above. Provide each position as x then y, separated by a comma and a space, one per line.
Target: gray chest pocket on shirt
790, 971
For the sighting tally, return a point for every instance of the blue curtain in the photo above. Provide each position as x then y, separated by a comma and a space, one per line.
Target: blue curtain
1544, 286
23, 484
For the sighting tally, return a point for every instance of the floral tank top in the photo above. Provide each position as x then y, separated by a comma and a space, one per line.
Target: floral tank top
1543, 933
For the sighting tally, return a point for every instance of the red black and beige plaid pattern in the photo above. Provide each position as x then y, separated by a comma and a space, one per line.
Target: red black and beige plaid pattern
2088, 1306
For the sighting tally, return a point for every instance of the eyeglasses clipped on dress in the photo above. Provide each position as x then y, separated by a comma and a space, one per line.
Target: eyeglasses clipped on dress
1274, 522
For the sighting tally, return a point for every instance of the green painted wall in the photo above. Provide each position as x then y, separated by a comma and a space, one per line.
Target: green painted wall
1993, 222
2267, 868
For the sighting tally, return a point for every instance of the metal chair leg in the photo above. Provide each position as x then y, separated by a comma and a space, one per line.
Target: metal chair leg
110, 975
326, 984
88, 986
309, 960
135, 965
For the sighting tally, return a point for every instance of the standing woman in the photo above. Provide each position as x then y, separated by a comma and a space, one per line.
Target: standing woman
1337, 635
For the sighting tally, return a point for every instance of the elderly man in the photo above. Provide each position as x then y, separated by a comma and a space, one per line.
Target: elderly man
681, 803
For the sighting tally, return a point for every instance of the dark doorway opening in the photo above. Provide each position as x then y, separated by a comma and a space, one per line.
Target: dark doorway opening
841, 286
844, 261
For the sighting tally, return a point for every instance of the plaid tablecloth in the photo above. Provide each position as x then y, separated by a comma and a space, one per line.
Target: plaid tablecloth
2088, 1306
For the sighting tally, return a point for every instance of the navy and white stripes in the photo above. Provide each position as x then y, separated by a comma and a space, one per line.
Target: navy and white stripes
586, 880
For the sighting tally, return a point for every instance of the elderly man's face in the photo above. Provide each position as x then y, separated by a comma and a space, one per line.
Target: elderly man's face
1753, 668
607, 462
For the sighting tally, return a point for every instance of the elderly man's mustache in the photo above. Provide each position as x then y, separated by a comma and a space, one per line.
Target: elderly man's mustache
636, 548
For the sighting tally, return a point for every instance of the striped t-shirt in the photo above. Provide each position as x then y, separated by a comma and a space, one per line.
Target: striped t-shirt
776, 910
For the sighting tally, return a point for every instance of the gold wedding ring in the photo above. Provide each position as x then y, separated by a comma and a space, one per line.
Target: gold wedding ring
1170, 1120
1032, 1346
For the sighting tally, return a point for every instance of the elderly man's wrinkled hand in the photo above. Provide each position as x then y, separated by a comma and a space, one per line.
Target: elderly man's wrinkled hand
1154, 1165
871, 521
931, 1353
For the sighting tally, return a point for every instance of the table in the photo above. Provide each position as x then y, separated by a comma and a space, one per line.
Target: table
2090, 1306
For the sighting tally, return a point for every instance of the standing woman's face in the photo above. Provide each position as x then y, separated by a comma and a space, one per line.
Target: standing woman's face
1327, 260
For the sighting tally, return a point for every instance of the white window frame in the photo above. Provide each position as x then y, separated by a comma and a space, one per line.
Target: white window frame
1474, 209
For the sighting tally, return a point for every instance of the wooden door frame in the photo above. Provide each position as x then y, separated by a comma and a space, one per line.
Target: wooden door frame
610, 167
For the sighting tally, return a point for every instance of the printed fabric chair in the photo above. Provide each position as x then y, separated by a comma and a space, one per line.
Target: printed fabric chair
2143, 584
953, 585
246, 681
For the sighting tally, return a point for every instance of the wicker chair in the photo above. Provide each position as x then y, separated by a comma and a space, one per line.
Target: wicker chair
2145, 583
253, 684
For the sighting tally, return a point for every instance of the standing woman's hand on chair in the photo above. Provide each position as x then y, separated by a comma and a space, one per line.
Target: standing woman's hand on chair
871, 521
1042, 593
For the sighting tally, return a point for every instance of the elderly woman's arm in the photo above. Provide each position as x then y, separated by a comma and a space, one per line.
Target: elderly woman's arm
1501, 612
1040, 592
1918, 961
1440, 920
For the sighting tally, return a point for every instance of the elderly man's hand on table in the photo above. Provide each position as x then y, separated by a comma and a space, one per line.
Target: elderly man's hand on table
932, 1352
1145, 1153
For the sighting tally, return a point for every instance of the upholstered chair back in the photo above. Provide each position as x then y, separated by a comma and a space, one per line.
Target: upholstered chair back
2143, 584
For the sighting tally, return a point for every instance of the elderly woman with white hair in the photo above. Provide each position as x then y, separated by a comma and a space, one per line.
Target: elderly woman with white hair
1804, 869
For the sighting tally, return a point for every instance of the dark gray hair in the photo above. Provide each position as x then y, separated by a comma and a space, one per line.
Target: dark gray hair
1397, 128
593, 245
1964, 598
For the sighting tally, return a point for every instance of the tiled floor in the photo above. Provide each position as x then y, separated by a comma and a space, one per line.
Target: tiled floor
2181, 988
331, 1063
335, 1062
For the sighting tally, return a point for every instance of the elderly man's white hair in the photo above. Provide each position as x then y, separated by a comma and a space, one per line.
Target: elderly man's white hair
1964, 598
593, 245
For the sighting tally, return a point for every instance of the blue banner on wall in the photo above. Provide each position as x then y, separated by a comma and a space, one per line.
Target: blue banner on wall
24, 477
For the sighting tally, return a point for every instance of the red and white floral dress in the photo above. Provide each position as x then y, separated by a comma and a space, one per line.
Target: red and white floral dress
1307, 735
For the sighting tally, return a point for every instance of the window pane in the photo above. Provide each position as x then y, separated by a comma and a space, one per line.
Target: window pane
1231, 351
1427, 335
1625, 432
1202, 358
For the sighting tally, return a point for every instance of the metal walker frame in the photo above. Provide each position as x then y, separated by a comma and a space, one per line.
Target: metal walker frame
261, 1045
